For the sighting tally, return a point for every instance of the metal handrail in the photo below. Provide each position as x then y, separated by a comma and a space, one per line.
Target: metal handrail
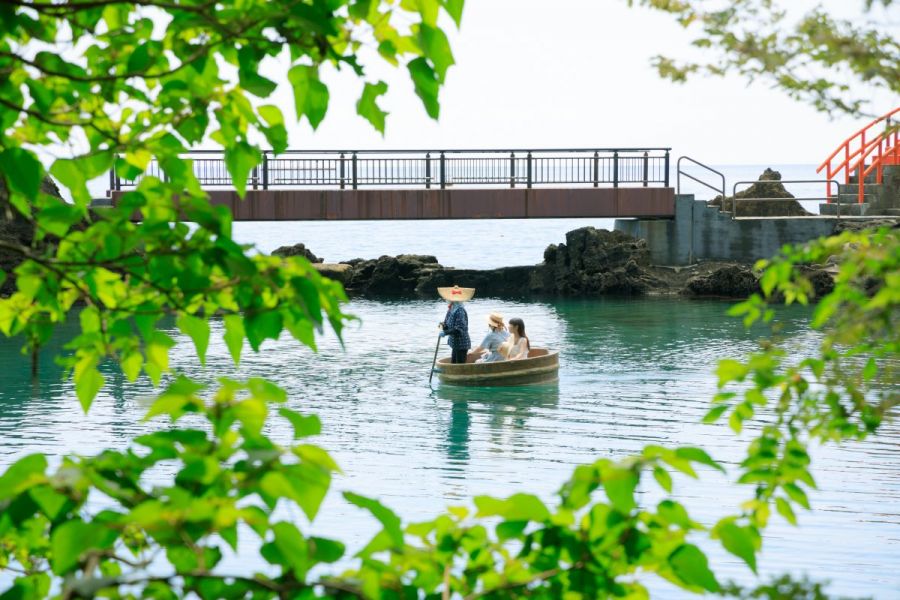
443, 168
445, 150
734, 197
700, 181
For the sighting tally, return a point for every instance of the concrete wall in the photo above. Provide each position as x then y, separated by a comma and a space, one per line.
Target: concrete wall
700, 232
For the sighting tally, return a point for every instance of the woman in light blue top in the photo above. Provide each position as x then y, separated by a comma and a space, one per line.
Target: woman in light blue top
490, 346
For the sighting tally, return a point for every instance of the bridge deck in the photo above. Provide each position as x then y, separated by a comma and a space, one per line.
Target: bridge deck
439, 184
541, 203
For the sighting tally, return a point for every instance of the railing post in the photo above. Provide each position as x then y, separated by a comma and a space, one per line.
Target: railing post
265, 170
353, 160
254, 175
512, 169
443, 171
596, 169
616, 169
528, 164
428, 170
112, 176
646, 165
342, 170
666, 169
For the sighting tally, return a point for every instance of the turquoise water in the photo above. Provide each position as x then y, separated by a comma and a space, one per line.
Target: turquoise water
632, 372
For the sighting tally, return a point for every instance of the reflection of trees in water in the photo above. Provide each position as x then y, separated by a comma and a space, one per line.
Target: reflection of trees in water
507, 410
24, 398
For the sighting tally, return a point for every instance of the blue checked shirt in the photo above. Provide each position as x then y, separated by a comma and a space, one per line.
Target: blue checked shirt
456, 326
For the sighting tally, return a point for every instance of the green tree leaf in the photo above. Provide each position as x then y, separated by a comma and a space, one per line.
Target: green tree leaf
740, 541
368, 108
310, 94
691, 566
22, 474
240, 160
518, 507
387, 518
234, 336
22, 170
198, 330
426, 84
619, 485
304, 426
88, 381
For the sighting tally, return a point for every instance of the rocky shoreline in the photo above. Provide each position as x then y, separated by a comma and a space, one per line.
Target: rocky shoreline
591, 263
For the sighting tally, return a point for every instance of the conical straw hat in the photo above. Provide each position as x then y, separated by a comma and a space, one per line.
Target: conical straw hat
456, 293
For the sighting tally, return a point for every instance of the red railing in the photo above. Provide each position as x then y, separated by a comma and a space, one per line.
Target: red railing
881, 147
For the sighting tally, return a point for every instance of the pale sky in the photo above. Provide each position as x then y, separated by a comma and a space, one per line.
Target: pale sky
577, 73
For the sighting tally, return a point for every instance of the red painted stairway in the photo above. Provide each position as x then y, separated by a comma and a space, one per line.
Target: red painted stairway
859, 165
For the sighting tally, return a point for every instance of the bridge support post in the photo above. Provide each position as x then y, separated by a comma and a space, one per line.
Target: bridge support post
529, 169
646, 168
615, 169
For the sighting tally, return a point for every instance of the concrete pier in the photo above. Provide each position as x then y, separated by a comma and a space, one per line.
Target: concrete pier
702, 232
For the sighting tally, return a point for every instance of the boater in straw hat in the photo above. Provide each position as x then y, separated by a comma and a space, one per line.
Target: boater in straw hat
456, 324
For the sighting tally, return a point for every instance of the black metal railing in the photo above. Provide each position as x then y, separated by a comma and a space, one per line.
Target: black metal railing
352, 169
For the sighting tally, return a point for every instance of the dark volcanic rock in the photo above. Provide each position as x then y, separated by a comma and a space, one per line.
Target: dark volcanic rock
297, 250
821, 280
505, 282
732, 281
594, 261
768, 186
391, 275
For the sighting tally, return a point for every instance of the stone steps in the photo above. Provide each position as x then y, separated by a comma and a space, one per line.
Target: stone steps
846, 210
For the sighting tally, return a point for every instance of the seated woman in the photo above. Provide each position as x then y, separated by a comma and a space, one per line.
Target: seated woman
490, 346
519, 345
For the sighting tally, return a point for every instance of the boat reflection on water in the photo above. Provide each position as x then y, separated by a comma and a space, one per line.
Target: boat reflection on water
504, 410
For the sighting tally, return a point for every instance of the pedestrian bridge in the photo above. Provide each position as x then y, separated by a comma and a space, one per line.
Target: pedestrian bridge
298, 185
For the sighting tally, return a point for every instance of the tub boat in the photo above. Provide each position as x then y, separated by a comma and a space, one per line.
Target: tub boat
541, 366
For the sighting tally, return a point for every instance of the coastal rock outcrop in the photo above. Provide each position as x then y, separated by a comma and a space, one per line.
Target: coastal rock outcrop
730, 281
297, 250
390, 275
769, 186
592, 262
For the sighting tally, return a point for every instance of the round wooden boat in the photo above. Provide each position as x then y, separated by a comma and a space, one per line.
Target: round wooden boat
541, 366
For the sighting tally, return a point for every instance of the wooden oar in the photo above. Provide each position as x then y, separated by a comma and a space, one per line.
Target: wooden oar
434, 362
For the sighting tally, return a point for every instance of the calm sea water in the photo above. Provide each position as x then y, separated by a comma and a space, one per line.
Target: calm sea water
632, 372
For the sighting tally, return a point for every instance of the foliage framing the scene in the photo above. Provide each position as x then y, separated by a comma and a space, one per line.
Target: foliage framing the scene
831, 62
123, 83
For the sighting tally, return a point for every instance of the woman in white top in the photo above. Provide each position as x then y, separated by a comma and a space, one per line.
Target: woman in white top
519, 344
